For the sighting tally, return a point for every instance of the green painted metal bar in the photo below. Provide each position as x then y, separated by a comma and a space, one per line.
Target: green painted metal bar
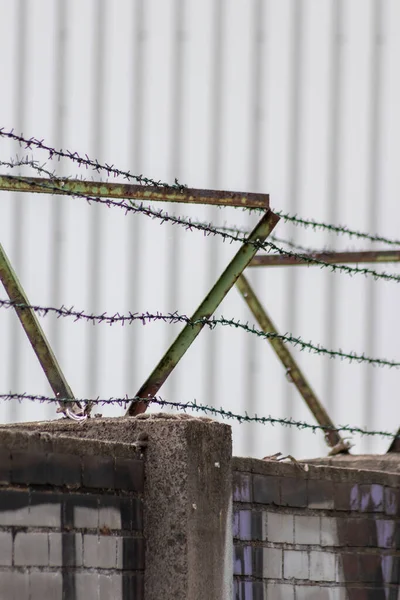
36, 335
292, 368
332, 258
206, 309
129, 191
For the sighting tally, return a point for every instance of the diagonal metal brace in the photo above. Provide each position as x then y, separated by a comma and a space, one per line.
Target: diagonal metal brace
292, 369
395, 445
38, 339
209, 305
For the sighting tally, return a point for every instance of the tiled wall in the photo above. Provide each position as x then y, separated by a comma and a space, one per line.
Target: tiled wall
71, 527
325, 534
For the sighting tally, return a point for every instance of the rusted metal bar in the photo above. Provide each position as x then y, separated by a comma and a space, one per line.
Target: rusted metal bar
332, 258
211, 302
37, 338
293, 370
395, 445
127, 191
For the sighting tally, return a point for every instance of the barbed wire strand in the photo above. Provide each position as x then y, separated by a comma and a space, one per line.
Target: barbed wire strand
40, 168
110, 169
336, 229
209, 229
175, 318
86, 161
194, 406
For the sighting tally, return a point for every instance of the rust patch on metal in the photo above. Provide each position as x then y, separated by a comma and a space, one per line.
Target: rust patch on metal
127, 191
331, 258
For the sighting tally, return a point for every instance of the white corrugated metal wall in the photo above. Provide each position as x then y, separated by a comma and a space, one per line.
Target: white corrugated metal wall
298, 98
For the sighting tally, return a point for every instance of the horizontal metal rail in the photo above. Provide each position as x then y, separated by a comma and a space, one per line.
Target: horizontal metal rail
128, 191
270, 260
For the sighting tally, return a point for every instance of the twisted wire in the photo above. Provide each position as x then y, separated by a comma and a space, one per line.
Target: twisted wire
211, 410
175, 318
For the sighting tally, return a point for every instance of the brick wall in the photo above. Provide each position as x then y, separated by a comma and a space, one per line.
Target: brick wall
326, 534
71, 525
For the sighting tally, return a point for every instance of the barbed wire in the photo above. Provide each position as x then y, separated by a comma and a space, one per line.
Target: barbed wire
40, 168
86, 161
28, 162
194, 406
110, 169
209, 229
337, 229
212, 322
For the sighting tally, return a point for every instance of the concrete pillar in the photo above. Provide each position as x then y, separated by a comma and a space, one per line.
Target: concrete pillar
187, 499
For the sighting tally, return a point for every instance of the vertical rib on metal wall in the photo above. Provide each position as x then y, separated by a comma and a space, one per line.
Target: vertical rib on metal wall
215, 153
136, 160
334, 146
18, 212
94, 278
293, 170
373, 205
257, 109
57, 207
177, 89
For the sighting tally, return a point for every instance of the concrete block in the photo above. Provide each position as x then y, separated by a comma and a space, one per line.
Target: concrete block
109, 516
48, 586
129, 474
252, 525
279, 591
272, 563
65, 549
29, 467
14, 508
5, 548
130, 553
386, 532
64, 469
14, 585
249, 590
243, 560
45, 510
329, 533
266, 489
294, 492
280, 527
316, 592
346, 496
371, 498
242, 487
392, 501
295, 564
86, 586
133, 586
100, 551
322, 566
110, 586
307, 530
31, 549
98, 472
320, 494
85, 511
